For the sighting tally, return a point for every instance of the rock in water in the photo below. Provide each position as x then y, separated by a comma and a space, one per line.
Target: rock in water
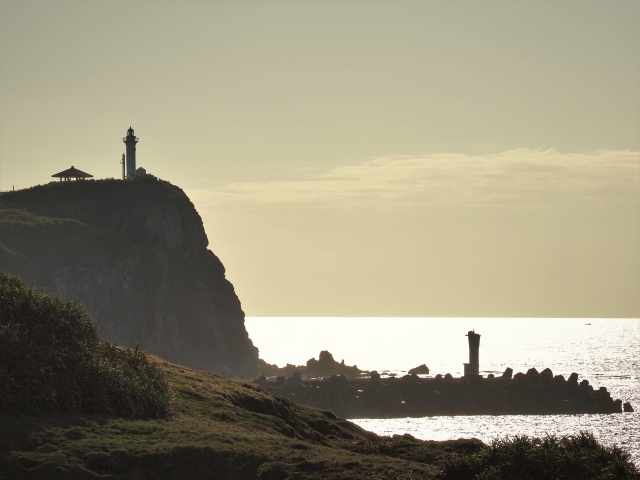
135, 255
421, 370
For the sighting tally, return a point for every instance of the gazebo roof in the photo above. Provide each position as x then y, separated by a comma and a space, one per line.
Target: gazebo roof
72, 172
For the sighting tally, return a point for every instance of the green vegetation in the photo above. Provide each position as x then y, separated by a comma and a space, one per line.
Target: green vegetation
570, 457
221, 428
83, 200
74, 407
29, 240
51, 360
6, 252
16, 219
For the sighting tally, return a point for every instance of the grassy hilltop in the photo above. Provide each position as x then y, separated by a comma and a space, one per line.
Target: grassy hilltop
72, 406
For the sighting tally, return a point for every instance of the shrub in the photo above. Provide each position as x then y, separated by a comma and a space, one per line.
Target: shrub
570, 457
51, 360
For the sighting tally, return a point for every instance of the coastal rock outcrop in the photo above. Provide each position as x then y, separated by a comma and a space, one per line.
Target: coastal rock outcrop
420, 370
135, 255
324, 366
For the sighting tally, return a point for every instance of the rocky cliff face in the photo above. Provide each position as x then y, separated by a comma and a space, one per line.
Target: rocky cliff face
135, 255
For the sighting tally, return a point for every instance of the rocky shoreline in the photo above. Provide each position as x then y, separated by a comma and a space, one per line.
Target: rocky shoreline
531, 393
324, 366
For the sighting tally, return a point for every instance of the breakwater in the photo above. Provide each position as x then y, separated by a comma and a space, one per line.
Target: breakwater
531, 393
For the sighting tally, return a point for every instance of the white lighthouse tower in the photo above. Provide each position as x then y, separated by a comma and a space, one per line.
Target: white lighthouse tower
130, 141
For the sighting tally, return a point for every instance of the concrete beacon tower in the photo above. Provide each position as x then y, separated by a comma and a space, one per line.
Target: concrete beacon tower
130, 141
472, 369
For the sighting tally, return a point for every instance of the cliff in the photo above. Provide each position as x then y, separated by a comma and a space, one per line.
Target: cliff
135, 255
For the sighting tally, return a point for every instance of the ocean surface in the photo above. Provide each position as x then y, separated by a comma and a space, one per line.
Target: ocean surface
604, 351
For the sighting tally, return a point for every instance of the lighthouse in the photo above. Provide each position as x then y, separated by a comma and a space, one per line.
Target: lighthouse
130, 141
472, 368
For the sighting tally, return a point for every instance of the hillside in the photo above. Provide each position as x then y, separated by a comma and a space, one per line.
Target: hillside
221, 429
135, 255
79, 407
73, 406
224, 429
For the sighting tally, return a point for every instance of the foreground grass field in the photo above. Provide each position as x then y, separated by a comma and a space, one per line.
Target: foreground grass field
220, 429
74, 407
232, 430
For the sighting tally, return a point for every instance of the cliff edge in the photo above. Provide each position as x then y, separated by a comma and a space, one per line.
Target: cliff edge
135, 255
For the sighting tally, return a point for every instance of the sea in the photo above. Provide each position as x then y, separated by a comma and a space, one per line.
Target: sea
605, 351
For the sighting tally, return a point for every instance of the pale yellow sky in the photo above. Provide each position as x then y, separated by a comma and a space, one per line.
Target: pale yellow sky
459, 158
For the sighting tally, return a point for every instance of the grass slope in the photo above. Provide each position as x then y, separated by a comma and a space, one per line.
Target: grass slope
85, 200
221, 429
224, 429
212, 427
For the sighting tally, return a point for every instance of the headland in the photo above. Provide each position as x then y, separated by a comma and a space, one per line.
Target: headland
136, 256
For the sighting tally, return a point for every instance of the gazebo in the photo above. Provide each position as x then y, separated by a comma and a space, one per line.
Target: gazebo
72, 172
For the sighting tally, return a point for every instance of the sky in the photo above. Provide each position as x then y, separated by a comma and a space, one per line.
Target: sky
380, 158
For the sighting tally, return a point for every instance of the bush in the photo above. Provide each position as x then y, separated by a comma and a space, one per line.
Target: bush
570, 457
51, 360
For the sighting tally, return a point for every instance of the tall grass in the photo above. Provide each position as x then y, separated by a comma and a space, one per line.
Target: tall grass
569, 457
51, 360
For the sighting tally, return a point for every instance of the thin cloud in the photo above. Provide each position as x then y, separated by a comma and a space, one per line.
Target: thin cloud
515, 178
